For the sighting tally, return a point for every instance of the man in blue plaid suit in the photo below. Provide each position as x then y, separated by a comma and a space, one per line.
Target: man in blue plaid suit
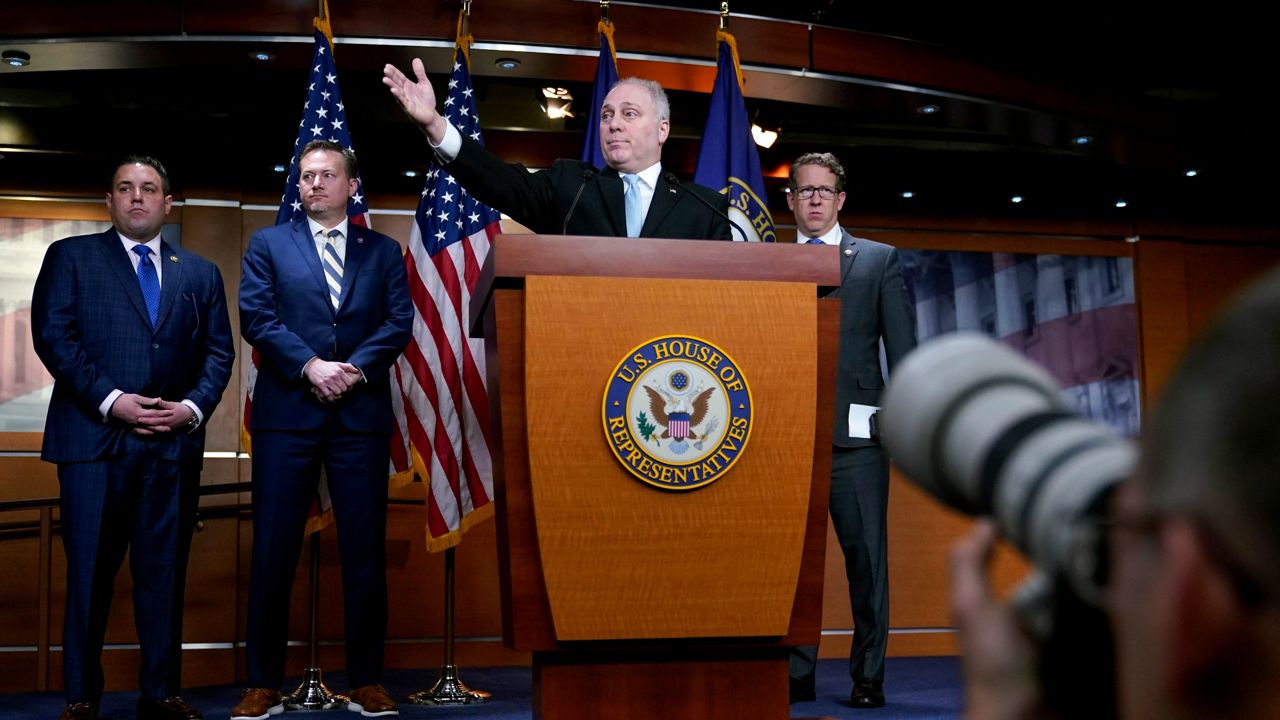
136, 335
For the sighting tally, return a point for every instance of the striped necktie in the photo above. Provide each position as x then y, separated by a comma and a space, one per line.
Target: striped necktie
149, 281
332, 267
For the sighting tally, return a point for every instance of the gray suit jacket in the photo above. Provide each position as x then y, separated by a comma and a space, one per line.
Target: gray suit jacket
874, 305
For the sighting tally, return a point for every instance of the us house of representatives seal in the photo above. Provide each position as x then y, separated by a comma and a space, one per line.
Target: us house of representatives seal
677, 412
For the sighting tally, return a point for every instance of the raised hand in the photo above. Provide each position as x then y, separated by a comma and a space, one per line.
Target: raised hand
417, 98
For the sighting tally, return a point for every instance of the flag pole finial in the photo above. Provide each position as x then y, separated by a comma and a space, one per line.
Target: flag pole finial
724, 15
604, 11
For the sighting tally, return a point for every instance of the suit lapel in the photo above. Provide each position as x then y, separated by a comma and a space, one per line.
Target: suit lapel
610, 187
664, 198
849, 247
306, 248
122, 265
355, 258
170, 280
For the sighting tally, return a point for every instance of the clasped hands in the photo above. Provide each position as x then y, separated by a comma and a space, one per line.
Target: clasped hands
151, 416
331, 380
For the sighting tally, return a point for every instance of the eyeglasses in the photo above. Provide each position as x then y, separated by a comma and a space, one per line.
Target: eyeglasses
806, 192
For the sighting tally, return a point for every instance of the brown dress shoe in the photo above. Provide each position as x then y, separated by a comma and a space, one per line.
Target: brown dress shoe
257, 704
79, 711
170, 708
372, 701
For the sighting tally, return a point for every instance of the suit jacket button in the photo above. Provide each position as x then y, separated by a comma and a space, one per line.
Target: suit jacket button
155, 346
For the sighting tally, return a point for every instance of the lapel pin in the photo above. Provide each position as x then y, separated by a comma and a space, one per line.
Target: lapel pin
173, 258
848, 252
671, 190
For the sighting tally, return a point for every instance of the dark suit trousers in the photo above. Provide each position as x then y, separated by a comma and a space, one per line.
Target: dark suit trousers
146, 506
286, 471
859, 505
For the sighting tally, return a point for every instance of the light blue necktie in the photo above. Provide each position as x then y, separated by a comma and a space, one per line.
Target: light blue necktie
149, 281
814, 241
333, 268
635, 206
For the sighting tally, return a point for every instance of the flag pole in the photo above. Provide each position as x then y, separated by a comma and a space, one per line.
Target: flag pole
312, 694
449, 688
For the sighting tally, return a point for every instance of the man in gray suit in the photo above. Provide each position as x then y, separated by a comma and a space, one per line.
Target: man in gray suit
875, 306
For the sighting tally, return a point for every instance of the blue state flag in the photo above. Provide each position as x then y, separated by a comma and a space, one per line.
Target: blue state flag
606, 76
728, 160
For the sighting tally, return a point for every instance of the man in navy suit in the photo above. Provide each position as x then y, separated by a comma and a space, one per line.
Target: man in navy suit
136, 336
875, 307
326, 304
632, 197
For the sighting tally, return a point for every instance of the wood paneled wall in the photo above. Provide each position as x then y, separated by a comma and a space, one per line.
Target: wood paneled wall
1180, 283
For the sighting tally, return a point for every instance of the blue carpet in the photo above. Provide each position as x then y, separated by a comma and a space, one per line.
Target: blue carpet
916, 688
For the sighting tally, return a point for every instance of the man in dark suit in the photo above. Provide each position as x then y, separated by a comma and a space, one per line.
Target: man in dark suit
136, 336
874, 307
326, 304
632, 197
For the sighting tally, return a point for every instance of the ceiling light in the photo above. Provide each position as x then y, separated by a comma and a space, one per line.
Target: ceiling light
507, 63
929, 109
261, 55
1015, 199
410, 173
764, 138
1122, 203
555, 102
907, 194
1191, 173
279, 168
16, 58
1132, 239
1082, 140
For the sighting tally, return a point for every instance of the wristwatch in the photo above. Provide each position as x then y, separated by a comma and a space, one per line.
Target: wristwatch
194, 422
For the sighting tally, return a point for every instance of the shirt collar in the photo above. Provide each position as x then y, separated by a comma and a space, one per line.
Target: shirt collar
318, 228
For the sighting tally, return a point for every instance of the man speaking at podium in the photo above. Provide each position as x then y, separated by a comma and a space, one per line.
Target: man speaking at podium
632, 197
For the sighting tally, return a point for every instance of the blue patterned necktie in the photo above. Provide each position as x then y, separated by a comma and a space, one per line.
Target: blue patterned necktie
814, 241
149, 281
635, 209
333, 268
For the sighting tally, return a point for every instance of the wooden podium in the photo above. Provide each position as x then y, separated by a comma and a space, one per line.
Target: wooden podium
640, 602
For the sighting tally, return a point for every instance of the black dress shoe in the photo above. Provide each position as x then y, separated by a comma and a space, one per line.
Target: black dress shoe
170, 708
867, 693
802, 689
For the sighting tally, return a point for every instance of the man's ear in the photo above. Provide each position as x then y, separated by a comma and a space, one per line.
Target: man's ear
664, 129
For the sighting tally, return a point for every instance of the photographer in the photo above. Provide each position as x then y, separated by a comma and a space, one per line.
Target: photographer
1193, 536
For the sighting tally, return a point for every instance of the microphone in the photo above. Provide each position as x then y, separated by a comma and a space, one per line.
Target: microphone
673, 180
588, 174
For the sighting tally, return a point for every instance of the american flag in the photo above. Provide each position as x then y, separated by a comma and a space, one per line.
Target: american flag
323, 118
443, 411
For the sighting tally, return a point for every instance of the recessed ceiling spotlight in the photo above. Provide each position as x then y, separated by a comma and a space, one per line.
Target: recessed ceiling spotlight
929, 109
907, 194
1191, 173
763, 137
1122, 203
16, 58
279, 168
1016, 199
507, 63
410, 173
261, 55
1082, 140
